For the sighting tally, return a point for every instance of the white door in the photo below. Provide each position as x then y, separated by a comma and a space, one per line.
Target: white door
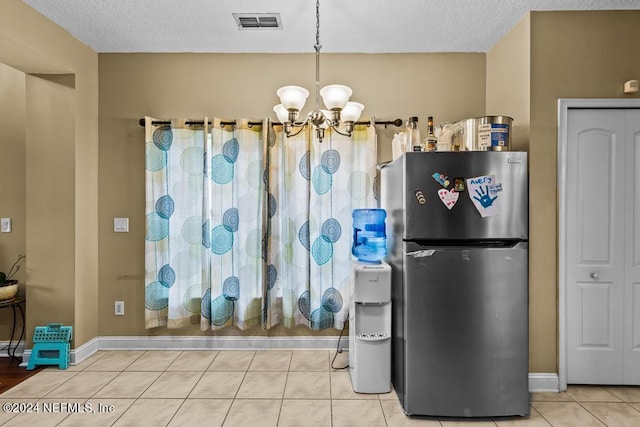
603, 246
632, 251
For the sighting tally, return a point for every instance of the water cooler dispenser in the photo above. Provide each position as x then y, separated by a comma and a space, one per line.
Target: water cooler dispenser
370, 307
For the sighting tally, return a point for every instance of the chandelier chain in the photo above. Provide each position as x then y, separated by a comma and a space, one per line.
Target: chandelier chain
317, 47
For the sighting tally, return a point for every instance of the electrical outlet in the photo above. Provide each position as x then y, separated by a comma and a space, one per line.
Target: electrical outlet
119, 308
5, 226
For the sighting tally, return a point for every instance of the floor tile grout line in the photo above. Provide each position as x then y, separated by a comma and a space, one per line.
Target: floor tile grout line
384, 416
212, 360
134, 400
58, 386
601, 388
130, 363
606, 403
633, 407
238, 390
330, 390
105, 385
591, 413
192, 388
125, 371
539, 413
140, 395
283, 391
626, 400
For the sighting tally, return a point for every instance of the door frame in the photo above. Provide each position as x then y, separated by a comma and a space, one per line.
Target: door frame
564, 105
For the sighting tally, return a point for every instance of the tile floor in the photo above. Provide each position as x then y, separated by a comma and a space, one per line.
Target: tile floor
256, 389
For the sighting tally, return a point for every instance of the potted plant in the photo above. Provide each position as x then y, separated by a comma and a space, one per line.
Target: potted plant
9, 285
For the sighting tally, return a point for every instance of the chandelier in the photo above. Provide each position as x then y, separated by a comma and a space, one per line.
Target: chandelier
335, 98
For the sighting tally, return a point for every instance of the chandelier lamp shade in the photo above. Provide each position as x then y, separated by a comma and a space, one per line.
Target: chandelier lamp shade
335, 98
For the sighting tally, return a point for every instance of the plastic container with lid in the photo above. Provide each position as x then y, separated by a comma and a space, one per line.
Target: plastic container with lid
369, 235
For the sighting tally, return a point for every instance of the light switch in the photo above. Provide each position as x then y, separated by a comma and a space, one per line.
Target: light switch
5, 225
121, 225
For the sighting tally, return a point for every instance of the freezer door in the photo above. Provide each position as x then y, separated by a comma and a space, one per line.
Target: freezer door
466, 331
499, 188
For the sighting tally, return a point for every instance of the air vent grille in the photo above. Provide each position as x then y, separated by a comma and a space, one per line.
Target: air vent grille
257, 21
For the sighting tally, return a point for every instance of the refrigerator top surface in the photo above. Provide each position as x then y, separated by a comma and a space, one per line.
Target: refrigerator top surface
470, 195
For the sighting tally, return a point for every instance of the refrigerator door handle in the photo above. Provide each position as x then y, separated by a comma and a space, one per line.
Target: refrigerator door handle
416, 245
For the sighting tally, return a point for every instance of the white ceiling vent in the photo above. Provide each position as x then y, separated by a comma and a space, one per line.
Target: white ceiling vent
258, 21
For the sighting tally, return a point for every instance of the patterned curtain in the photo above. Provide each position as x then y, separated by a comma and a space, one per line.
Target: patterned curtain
247, 227
173, 234
232, 230
314, 187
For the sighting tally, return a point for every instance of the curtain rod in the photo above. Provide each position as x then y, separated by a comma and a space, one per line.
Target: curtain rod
396, 122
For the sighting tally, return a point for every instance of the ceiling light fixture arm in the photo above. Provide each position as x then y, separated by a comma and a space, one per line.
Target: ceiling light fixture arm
348, 129
288, 128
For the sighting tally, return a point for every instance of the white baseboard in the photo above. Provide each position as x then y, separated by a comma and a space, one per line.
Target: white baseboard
538, 382
219, 343
4, 345
79, 354
544, 382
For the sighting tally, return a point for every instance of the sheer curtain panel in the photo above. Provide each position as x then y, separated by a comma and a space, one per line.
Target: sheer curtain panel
314, 187
173, 223
232, 230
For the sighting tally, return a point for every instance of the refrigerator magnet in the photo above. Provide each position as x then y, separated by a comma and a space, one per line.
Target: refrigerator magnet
420, 197
442, 179
485, 202
448, 197
458, 184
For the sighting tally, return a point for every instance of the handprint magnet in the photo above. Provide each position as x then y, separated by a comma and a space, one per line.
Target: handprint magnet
481, 190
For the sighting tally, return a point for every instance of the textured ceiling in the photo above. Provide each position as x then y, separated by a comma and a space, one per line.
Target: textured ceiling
369, 26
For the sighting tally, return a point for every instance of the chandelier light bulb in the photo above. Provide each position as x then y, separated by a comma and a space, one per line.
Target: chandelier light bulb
281, 113
293, 97
351, 112
335, 96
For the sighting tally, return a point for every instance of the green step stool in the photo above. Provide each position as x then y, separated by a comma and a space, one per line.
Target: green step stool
51, 346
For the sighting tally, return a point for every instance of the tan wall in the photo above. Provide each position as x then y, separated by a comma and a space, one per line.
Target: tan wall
12, 182
447, 86
508, 81
62, 249
508, 92
50, 198
573, 55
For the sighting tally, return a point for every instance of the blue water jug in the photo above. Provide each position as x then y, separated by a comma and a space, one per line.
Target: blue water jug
369, 236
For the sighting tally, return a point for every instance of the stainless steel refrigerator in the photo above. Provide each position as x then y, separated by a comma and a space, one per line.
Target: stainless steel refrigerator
457, 232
